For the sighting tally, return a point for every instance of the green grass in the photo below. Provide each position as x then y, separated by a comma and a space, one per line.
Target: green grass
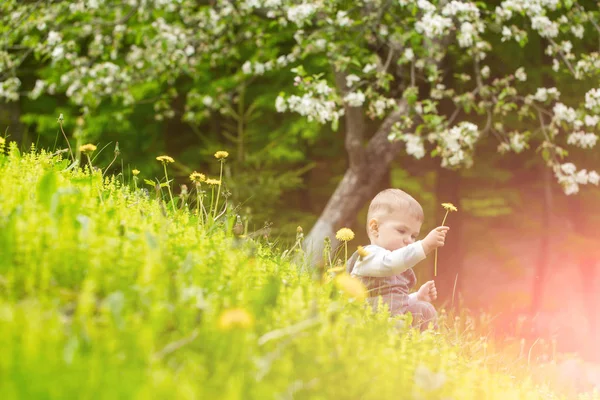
107, 294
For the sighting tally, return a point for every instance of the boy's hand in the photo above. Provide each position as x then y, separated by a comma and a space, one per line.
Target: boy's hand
427, 292
434, 239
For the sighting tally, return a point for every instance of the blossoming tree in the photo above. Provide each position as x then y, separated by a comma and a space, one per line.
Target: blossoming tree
419, 69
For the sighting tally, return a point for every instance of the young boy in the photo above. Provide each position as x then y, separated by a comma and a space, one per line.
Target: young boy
393, 223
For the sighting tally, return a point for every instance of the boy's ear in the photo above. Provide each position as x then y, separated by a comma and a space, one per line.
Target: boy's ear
373, 227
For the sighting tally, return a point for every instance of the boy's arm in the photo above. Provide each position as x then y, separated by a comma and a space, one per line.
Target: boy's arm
381, 263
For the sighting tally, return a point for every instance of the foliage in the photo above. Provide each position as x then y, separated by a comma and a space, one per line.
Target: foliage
227, 62
106, 293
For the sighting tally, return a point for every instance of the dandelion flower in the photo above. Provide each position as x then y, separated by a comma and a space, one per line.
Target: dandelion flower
2, 141
351, 286
235, 318
449, 206
221, 154
345, 235
135, 172
361, 251
213, 181
165, 159
87, 148
197, 177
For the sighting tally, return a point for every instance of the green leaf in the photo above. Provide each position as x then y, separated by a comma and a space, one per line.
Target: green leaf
47, 187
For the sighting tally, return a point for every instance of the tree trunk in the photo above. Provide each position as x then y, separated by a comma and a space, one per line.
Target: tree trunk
541, 267
450, 257
368, 166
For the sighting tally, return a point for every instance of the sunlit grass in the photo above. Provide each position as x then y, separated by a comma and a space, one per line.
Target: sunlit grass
106, 291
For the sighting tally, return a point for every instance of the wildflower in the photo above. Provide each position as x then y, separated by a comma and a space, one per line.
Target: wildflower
165, 159
2, 142
197, 177
449, 206
213, 181
362, 252
344, 234
135, 172
221, 154
351, 286
234, 318
87, 148
299, 229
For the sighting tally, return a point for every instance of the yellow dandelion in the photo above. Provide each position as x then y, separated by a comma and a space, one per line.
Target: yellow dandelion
449, 206
2, 141
235, 318
221, 154
165, 159
213, 181
87, 148
351, 286
197, 177
345, 235
135, 172
361, 251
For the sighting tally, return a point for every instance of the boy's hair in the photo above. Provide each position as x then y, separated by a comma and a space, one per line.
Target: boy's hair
389, 199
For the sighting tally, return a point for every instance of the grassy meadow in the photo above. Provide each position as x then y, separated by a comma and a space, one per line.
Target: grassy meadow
110, 291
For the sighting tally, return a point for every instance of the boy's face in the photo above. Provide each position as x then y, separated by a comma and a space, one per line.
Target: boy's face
394, 230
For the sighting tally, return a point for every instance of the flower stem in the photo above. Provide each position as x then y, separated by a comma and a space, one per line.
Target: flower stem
68, 144
219, 190
435, 259
345, 252
169, 187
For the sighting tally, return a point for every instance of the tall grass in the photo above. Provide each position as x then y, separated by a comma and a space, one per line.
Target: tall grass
106, 293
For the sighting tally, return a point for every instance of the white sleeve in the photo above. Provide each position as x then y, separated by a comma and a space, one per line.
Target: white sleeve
380, 262
412, 297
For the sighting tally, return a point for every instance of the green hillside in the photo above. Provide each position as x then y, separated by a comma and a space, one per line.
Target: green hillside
106, 293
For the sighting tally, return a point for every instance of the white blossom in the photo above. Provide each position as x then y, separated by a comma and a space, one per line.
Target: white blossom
9, 89
351, 80
313, 108
280, 104
564, 113
520, 74
425, 6
592, 99
465, 36
409, 54
301, 13
342, 19
369, 67
543, 94
591, 120
54, 38
578, 31
582, 139
485, 72
433, 25
517, 142
355, 99
247, 68
414, 145
544, 26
